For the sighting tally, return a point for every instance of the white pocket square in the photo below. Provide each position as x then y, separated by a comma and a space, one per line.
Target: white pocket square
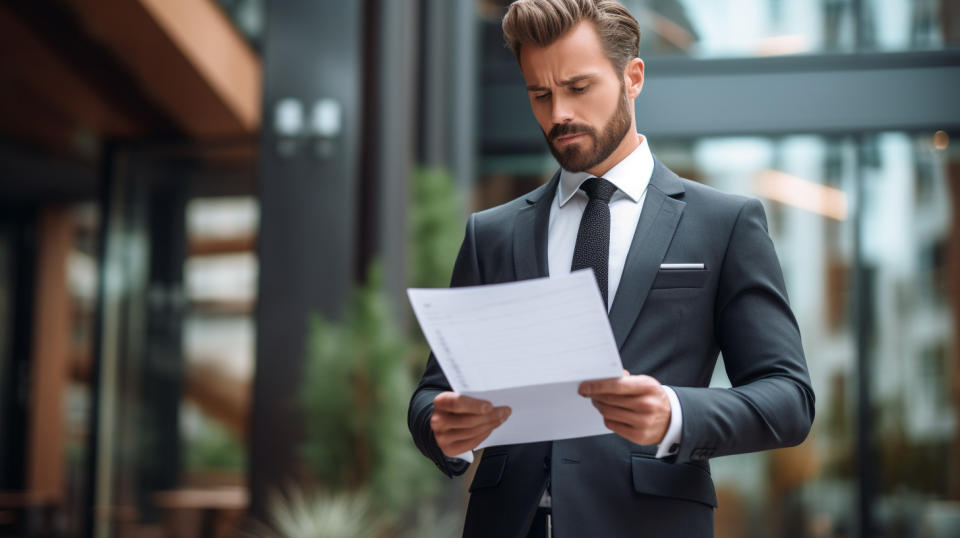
681, 266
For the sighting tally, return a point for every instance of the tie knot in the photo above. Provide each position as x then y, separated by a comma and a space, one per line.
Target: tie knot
598, 188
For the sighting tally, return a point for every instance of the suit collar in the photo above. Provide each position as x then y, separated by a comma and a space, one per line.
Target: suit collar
547, 190
666, 180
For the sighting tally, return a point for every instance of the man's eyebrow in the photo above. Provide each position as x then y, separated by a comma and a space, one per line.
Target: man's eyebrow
569, 81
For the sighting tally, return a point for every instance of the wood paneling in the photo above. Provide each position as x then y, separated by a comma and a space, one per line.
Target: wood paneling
186, 56
40, 85
51, 354
74, 72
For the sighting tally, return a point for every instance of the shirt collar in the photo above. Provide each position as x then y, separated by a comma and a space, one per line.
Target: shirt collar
631, 175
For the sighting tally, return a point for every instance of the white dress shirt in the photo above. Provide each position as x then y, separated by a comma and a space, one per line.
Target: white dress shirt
631, 177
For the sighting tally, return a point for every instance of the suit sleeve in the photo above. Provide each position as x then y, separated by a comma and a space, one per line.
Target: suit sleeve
466, 272
771, 402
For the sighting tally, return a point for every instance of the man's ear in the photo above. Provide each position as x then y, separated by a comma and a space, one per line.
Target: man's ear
633, 77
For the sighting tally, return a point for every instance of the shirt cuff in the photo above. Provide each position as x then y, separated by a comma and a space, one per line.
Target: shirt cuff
466, 456
670, 444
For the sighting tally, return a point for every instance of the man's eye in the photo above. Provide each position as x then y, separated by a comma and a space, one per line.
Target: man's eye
578, 89
541, 96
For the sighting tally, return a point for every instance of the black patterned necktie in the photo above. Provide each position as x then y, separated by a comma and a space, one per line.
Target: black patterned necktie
593, 239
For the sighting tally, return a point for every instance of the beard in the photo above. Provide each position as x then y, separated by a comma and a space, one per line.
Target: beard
577, 158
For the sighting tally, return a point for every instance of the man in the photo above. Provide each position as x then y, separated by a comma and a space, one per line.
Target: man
687, 272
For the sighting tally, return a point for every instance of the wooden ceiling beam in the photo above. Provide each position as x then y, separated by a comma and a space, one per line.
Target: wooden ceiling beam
187, 57
28, 119
29, 62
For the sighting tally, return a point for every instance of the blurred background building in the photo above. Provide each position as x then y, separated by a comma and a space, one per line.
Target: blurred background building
209, 211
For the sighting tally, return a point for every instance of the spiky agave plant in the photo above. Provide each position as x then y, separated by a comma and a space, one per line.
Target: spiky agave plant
298, 514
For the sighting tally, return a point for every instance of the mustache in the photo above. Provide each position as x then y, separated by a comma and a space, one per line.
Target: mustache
564, 129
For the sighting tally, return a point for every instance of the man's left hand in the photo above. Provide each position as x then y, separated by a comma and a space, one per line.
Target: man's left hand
634, 406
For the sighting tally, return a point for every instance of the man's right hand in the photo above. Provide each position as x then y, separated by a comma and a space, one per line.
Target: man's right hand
460, 423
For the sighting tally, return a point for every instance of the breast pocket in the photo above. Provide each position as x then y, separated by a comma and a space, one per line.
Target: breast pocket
680, 278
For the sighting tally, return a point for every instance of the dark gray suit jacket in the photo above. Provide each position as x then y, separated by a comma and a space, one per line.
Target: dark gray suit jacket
668, 324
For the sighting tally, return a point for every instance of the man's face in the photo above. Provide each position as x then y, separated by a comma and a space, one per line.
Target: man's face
577, 97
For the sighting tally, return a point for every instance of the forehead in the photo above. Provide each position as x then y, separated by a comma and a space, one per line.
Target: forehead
576, 52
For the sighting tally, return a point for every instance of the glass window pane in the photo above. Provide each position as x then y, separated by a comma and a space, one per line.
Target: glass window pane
893, 25
909, 255
744, 28
703, 28
179, 353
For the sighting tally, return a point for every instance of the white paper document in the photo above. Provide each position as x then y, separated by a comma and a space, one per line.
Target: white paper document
527, 345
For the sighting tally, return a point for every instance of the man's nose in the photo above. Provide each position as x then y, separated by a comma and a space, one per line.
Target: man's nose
562, 112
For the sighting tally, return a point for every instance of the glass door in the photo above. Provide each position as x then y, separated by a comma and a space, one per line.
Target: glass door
175, 341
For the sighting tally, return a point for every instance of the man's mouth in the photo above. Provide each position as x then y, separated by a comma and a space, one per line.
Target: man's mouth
568, 138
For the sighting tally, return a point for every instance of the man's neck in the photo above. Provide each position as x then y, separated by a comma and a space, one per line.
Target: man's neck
625, 148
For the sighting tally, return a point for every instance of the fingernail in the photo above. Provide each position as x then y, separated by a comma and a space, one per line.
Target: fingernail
585, 390
504, 413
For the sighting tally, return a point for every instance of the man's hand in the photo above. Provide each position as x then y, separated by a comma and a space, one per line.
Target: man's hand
460, 423
634, 406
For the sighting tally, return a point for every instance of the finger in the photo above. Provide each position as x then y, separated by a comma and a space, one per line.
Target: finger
596, 386
605, 386
634, 435
453, 440
442, 421
628, 385
460, 447
620, 414
649, 404
629, 402
620, 428
458, 403
492, 419
456, 436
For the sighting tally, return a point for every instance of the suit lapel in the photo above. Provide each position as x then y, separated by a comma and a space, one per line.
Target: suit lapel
530, 232
658, 222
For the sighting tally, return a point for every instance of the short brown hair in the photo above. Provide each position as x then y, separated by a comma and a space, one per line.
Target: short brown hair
541, 22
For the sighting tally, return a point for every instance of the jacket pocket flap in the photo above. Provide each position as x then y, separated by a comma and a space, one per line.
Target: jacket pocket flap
673, 480
489, 472
677, 278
